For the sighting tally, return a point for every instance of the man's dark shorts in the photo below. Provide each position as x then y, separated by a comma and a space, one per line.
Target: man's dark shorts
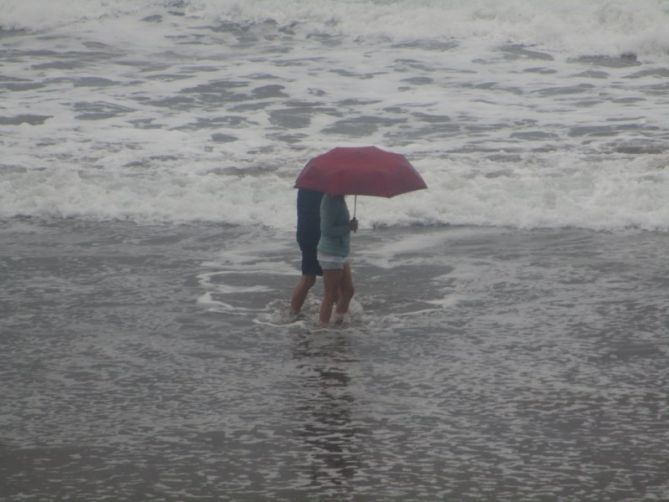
310, 265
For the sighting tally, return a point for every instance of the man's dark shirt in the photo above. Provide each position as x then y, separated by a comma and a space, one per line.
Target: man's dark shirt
308, 217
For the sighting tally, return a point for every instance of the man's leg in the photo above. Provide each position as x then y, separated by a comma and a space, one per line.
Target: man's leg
300, 293
310, 269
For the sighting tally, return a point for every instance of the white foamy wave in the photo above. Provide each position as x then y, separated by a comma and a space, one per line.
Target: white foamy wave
208, 109
39, 15
558, 190
603, 27
61, 192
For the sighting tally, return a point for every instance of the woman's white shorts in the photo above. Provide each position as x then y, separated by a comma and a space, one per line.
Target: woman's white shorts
330, 262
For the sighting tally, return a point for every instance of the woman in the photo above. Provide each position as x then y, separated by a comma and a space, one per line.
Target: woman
333, 251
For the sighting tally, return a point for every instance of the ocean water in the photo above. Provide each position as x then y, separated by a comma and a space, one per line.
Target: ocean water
510, 332
516, 114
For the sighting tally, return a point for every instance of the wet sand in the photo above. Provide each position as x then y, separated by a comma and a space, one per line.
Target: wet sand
156, 363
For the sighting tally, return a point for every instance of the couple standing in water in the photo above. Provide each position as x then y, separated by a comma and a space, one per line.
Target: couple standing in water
324, 229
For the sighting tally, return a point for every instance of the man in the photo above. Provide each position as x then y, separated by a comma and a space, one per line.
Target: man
308, 235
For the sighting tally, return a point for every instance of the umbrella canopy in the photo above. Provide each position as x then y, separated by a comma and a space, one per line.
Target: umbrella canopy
360, 171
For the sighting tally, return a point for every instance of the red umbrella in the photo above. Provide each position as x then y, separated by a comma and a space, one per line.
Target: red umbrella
360, 171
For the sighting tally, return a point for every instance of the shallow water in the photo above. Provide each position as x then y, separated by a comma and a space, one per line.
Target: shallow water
155, 363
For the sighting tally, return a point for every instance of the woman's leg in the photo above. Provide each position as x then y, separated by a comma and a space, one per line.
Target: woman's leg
331, 282
346, 290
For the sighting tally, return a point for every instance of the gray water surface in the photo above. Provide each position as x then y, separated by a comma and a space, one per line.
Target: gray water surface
156, 363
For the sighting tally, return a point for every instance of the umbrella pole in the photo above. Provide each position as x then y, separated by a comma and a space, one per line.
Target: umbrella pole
355, 204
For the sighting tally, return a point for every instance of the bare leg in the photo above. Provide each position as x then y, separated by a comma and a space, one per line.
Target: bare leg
300, 293
346, 290
331, 282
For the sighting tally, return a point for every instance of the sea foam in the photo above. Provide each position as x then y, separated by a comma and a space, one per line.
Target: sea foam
606, 27
516, 113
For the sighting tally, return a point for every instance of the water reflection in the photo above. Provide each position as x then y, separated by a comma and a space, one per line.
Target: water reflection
326, 408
